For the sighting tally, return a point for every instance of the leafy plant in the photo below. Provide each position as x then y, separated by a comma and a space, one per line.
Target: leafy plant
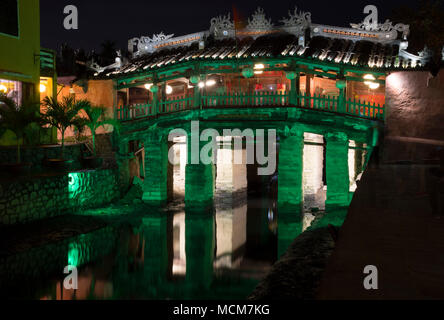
96, 118
18, 118
64, 114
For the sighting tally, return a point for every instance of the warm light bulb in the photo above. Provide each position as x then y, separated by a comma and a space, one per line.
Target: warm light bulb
369, 77
201, 84
258, 72
42, 88
259, 66
3, 88
210, 83
169, 89
374, 85
148, 86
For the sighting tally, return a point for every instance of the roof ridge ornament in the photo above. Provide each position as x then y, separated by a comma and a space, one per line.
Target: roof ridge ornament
221, 25
157, 38
296, 18
387, 26
258, 21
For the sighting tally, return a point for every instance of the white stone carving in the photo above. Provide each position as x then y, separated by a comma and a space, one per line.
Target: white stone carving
297, 19
222, 26
98, 69
258, 21
387, 26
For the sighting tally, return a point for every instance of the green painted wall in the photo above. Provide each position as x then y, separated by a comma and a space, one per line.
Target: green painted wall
17, 60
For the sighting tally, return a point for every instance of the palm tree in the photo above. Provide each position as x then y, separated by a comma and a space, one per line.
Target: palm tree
18, 118
96, 118
64, 114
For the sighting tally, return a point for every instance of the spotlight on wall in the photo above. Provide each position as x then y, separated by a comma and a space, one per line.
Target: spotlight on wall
201, 84
3, 88
168, 89
148, 86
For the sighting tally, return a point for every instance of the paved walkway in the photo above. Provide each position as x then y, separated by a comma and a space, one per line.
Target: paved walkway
390, 225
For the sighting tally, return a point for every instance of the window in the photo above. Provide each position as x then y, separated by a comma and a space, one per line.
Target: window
12, 89
9, 21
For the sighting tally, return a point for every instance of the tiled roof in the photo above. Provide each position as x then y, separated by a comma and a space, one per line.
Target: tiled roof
360, 53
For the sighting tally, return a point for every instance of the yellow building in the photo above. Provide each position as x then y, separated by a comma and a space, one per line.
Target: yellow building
27, 71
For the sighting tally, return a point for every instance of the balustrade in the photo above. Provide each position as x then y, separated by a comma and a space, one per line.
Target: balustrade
353, 107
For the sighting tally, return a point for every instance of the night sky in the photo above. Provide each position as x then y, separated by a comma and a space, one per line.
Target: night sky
119, 20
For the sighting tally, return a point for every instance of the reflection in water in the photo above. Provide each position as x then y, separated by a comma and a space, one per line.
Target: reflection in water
204, 252
180, 259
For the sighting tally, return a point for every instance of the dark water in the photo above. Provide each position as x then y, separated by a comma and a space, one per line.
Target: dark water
219, 251
201, 253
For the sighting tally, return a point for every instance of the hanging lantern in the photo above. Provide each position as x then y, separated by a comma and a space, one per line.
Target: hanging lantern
341, 84
290, 75
248, 72
154, 88
194, 79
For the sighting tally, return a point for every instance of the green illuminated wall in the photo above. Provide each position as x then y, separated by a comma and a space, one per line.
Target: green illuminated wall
29, 200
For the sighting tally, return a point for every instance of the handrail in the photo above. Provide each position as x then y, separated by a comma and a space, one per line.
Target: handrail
363, 109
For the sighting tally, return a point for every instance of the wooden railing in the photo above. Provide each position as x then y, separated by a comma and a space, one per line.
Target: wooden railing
255, 99
177, 104
329, 103
365, 109
134, 111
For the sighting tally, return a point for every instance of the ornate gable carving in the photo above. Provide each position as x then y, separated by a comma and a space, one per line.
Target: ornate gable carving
258, 21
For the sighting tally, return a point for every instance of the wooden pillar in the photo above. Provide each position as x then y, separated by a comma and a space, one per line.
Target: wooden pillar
342, 100
308, 94
197, 96
155, 103
294, 90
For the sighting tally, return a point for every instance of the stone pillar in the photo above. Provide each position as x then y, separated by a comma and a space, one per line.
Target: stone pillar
199, 178
199, 247
337, 173
290, 193
156, 169
123, 160
290, 169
